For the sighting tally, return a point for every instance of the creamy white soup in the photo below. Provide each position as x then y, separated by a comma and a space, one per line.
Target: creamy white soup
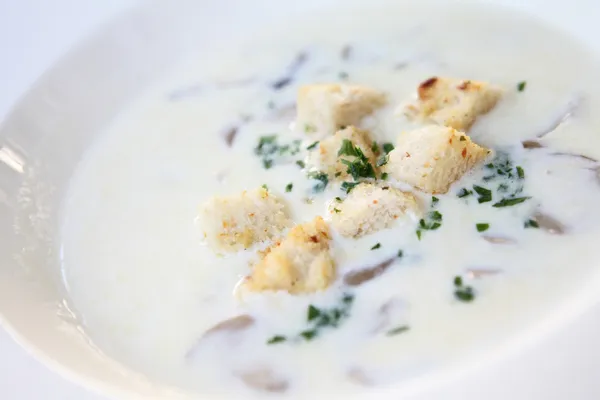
494, 255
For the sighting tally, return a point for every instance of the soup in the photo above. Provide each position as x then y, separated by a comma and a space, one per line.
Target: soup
406, 272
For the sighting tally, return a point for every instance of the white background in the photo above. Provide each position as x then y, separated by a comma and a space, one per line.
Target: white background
33, 35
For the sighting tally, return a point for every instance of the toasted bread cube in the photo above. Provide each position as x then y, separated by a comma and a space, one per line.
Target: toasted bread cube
325, 108
300, 263
325, 156
433, 157
451, 102
237, 222
370, 208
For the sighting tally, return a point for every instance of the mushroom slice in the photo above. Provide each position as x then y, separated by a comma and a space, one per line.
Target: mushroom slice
569, 111
477, 273
532, 144
235, 324
264, 379
548, 223
498, 239
356, 278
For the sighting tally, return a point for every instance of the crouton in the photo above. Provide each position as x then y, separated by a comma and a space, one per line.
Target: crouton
325, 156
300, 263
433, 157
370, 208
453, 102
237, 222
325, 108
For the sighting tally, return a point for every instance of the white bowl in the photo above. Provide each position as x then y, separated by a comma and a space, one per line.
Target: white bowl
43, 138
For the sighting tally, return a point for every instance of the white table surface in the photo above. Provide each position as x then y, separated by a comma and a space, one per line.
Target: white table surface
33, 35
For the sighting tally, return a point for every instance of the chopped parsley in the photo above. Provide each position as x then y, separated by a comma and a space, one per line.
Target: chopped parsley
464, 193
434, 200
268, 149
343, 76
348, 149
485, 195
375, 147
360, 168
508, 202
482, 227
348, 186
312, 146
520, 173
338, 199
382, 160
531, 223
432, 221
400, 254
267, 164
338, 174
377, 246
463, 293
384, 176
398, 330
337, 210
323, 181
521, 86
309, 335
419, 234
276, 339
320, 319
462, 138
301, 164
264, 186
387, 147
289, 187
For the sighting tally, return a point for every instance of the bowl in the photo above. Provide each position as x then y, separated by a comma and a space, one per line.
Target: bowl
45, 135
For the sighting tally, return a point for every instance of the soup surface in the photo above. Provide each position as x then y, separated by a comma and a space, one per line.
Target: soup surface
147, 288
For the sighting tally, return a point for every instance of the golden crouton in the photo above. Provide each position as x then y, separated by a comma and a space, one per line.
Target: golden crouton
325, 156
453, 102
433, 157
237, 222
300, 263
370, 208
325, 108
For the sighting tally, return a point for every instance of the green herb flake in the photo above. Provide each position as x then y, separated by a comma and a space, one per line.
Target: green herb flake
530, 223
398, 330
464, 193
323, 181
434, 200
343, 75
313, 313
337, 174
462, 138
375, 147
400, 254
458, 281
384, 176
520, 173
348, 149
289, 187
267, 164
301, 164
435, 216
510, 202
465, 294
485, 195
312, 146
521, 86
348, 186
276, 339
264, 186
337, 210
387, 147
482, 227
377, 246
309, 335
419, 234
338, 199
